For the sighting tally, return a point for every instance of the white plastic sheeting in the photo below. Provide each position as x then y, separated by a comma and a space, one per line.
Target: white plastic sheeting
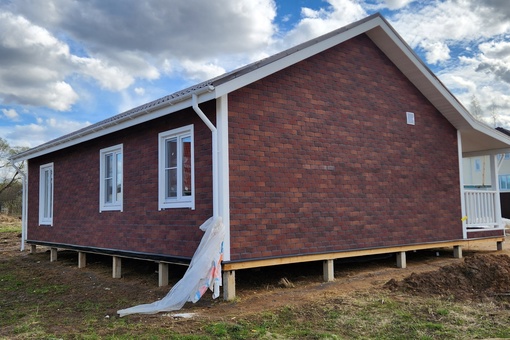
204, 272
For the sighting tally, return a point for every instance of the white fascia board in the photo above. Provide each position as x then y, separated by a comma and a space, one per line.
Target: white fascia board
100, 131
294, 58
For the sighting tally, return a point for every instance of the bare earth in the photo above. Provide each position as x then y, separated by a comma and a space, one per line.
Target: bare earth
484, 272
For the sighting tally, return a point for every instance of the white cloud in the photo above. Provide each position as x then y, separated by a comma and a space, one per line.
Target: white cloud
31, 135
139, 91
314, 23
11, 114
200, 71
435, 51
120, 44
450, 21
396, 4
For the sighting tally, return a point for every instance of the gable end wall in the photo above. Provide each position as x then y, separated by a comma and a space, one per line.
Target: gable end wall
322, 159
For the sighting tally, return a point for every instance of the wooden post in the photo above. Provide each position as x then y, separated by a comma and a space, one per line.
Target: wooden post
499, 245
229, 285
82, 259
53, 254
401, 260
117, 267
163, 274
457, 252
328, 271
33, 249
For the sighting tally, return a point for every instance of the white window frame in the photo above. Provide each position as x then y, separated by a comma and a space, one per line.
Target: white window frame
180, 201
116, 204
46, 194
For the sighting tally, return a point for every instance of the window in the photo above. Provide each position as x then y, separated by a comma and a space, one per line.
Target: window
176, 169
46, 194
504, 182
110, 181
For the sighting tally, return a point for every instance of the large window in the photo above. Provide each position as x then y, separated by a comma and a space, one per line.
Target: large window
46, 194
176, 169
110, 187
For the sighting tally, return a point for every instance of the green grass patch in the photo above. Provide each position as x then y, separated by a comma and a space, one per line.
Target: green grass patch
8, 228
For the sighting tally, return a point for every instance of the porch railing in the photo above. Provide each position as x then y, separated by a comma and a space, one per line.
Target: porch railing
481, 208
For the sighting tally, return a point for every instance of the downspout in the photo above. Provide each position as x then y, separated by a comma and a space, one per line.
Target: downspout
24, 206
214, 132
461, 179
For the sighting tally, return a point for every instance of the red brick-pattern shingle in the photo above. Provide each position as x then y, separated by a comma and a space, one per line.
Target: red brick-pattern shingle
322, 159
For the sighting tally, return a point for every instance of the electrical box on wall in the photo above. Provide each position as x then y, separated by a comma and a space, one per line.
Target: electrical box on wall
410, 118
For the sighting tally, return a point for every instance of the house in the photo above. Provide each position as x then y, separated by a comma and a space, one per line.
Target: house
345, 145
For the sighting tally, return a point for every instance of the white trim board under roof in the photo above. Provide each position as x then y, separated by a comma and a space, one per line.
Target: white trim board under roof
477, 137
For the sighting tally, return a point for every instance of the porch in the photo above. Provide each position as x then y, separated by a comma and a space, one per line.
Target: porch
481, 192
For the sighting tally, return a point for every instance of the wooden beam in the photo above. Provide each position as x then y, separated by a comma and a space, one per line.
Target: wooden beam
328, 270
457, 252
117, 267
499, 245
401, 260
228, 266
82, 259
53, 254
229, 285
162, 274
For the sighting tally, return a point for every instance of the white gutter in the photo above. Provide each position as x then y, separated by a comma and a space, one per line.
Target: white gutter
24, 204
214, 131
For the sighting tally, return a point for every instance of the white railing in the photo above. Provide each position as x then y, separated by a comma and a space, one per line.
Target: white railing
481, 209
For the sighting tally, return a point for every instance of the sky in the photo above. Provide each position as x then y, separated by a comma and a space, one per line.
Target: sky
66, 64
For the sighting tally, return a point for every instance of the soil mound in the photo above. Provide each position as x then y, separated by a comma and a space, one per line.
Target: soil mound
476, 278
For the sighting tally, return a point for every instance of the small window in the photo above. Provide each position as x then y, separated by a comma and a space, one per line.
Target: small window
410, 118
176, 169
504, 182
46, 194
110, 181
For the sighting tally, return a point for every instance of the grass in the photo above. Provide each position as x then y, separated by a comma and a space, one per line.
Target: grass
10, 228
32, 307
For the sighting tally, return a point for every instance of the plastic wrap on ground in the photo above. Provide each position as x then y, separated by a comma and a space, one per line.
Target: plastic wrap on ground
204, 272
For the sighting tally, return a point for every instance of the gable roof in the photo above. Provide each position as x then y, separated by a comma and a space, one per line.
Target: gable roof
476, 136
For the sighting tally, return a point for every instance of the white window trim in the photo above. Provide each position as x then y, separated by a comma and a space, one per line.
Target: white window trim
117, 205
183, 201
42, 199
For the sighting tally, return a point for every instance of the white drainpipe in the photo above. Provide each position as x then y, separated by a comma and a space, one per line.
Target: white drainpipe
214, 131
24, 205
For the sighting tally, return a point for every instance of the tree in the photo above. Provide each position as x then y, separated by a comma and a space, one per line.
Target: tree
477, 112
476, 109
8, 175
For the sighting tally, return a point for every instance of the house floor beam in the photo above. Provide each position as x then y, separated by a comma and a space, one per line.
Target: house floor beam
354, 253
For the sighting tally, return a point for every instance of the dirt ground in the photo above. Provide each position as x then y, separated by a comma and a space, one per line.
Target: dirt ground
483, 273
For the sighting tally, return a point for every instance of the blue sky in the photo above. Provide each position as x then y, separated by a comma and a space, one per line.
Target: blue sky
66, 64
